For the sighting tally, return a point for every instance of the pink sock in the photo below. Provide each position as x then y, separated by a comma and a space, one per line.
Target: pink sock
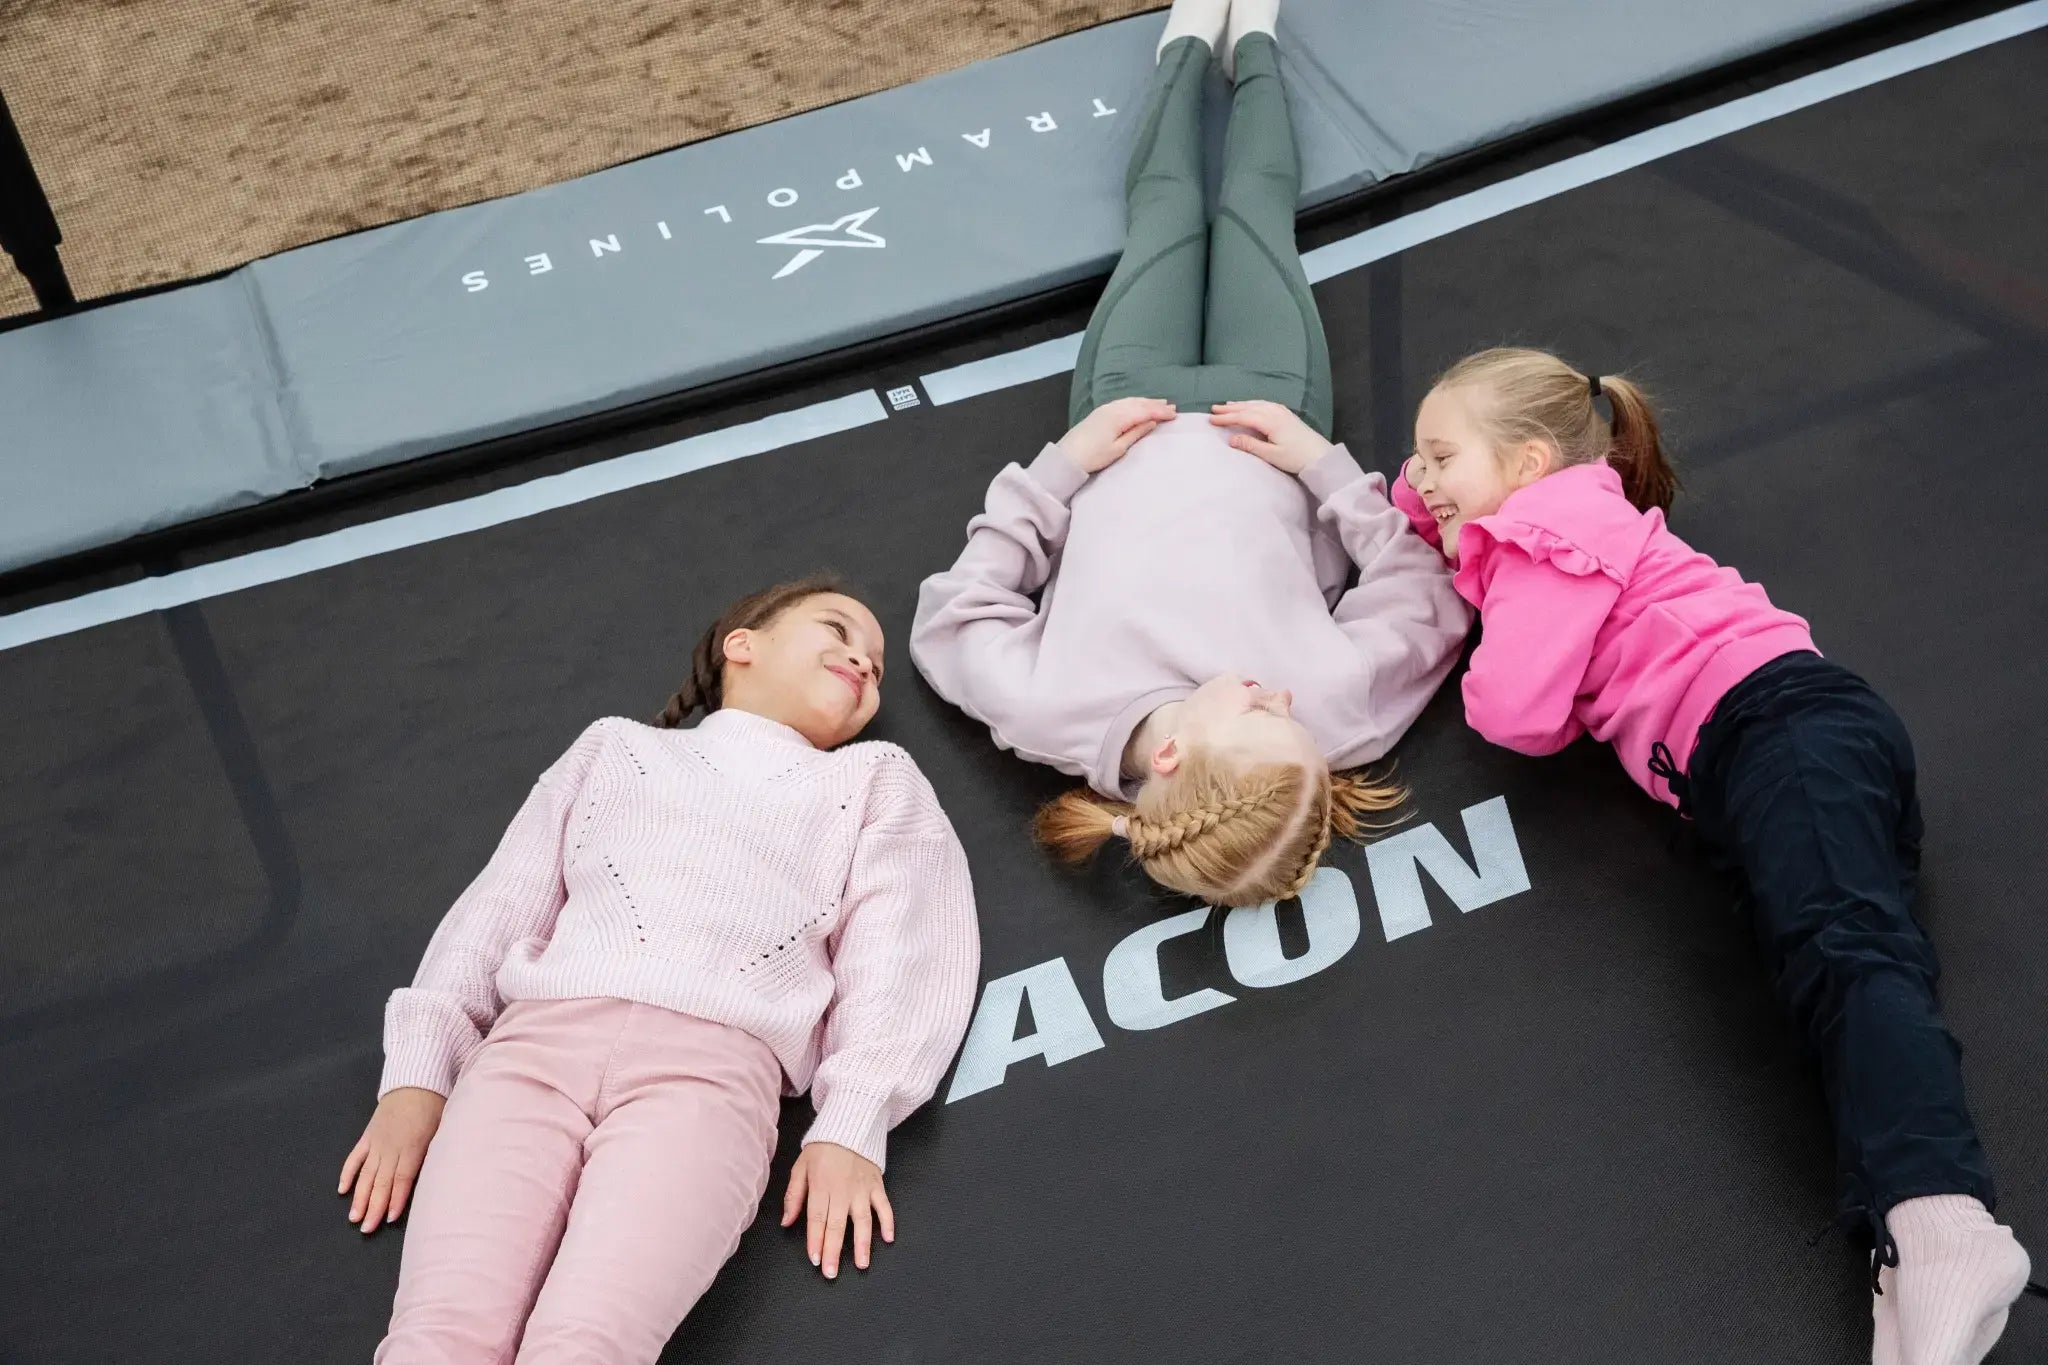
1958, 1272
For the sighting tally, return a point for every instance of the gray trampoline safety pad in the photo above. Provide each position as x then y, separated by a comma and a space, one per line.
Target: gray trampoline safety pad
975, 187
1408, 84
135, 417
781, 241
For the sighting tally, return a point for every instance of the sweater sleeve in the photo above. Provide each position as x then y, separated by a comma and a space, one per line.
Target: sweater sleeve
1410, 504
973, 636
431, 1027
904, 961
1403, 619
1538, 625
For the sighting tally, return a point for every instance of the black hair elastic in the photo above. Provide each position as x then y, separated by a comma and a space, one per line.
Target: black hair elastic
1593, 389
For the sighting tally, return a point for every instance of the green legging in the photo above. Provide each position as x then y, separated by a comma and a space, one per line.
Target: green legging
1200, 313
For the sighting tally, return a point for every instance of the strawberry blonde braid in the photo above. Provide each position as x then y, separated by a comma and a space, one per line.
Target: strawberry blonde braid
1230, 838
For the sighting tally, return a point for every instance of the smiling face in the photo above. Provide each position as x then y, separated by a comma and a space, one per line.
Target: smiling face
1460, 474
816, 668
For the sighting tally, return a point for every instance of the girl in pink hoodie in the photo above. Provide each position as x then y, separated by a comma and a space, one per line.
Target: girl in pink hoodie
1597, 620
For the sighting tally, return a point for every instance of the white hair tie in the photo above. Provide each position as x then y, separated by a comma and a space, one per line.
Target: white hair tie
1121, 827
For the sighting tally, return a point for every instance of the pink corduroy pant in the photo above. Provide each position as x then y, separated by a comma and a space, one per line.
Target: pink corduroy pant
595, 1167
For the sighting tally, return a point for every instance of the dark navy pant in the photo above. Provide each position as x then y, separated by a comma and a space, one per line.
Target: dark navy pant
1803, 784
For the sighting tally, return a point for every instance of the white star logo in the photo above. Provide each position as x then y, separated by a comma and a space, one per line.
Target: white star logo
845, 231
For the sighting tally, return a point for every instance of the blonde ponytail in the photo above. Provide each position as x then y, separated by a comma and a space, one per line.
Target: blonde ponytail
1636, 448
1529, 395
1074, 825
1354, 797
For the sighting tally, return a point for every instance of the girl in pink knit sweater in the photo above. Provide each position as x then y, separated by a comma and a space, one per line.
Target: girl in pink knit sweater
1597, 620
679, 927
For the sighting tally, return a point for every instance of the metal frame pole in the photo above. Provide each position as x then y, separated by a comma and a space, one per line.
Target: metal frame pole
28, 227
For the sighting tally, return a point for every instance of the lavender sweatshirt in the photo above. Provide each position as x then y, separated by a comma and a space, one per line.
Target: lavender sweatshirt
1184, 560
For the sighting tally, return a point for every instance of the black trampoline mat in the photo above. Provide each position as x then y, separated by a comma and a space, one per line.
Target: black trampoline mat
1563, 1126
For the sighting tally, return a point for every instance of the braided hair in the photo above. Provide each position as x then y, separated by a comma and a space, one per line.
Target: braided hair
704, 688
1229, 837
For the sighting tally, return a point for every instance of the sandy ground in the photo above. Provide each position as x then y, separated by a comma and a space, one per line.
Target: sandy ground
178, 137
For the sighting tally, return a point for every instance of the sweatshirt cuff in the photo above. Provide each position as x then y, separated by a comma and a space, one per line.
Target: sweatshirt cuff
422, 1062
1409, 504
855, 1121
1333, 471
1056, 473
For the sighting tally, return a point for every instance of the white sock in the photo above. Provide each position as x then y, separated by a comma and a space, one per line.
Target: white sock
1957, 1272
1202, 19
1884, 1321
1247, 16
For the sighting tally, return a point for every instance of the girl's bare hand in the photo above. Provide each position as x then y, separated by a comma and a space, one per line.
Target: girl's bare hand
1273, 433
1101, 438
386, 1160
838, 1184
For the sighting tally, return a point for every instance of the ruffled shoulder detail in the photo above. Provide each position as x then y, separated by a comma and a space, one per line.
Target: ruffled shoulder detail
1542, 546
1575, 521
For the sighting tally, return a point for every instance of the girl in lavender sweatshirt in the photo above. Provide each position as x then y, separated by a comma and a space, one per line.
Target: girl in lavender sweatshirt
1158, 603
679, 927
1597, 620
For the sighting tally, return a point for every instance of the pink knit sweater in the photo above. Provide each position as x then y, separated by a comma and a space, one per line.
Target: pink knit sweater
820, 901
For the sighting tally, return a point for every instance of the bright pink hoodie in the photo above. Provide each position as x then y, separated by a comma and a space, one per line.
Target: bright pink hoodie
1595, 619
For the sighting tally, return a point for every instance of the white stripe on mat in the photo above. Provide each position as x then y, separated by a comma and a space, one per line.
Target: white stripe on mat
438, 523
984, 376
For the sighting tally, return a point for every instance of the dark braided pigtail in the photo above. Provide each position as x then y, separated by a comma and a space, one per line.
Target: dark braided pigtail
704, 689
